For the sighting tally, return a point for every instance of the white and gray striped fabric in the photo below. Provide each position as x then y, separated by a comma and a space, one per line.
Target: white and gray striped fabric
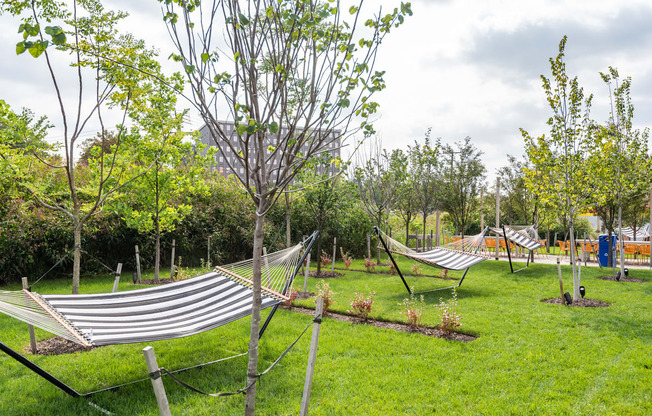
641, 234
175, 310
446, 258
518, 238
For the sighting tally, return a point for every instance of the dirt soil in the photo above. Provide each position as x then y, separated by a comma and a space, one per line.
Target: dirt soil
623, 279
57, 346
582, 302
428, 331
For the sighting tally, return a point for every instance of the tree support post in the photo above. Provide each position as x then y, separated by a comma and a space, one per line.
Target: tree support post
497, 213
118, 272
172, 261
266, 260
138, 264
312, 357
157, 382
561, 283
334, 253
32, 337
208, 251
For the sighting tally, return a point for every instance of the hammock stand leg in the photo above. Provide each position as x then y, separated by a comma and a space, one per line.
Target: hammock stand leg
510, 256
41, 372
311, 240
392, 259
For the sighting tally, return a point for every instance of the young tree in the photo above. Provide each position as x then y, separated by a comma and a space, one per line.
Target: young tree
462, 183
424, 166
378, 175
407, 203
625, 172
322, 192
562, 171
292, 74
88, 34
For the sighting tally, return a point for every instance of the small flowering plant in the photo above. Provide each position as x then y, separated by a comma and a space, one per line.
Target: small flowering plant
416, 269
444, 274
346, 259
361, 306
292, 294
450, 319
412, 310
324, 259
324, 292
392, 269
369, 264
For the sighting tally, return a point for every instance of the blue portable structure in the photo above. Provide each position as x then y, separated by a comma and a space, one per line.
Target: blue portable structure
603, 249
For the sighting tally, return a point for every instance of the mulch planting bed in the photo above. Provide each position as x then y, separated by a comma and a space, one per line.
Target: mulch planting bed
305, 295
623, 279
396, 326
57, 346
583, 302
324, 274
160, 281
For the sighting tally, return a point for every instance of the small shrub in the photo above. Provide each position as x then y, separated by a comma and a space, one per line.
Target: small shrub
361, 306
392, 269
181, 273
416, 269
346, 258
324, 259
369, 264
324, 292
444, 274
292, 294
412, 310
450, 320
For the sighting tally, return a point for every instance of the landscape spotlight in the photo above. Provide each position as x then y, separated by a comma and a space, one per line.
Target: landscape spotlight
626, 272
568, 298
582, 291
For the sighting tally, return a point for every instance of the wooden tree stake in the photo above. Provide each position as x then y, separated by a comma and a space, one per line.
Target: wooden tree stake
561, 284
172, 262
138, 264
334, 253
32, 337
157, 382
312, 357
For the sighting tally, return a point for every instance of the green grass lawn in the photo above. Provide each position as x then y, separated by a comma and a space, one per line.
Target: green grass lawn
529, 357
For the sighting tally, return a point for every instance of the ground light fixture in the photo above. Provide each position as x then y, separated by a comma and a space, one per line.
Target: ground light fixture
568, 298
618, 276
582, 291
626, 272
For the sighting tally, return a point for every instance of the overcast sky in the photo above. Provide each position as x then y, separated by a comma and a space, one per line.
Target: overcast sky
464, 68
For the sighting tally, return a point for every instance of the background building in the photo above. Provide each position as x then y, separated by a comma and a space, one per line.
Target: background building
221, 165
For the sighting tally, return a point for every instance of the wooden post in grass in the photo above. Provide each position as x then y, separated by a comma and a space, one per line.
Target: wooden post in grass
266, 266
312, 357
157, 382
497, 214
561, 284
118, 272
208, 251
138, 264
32, 337
172, 263
430, 246
437, 226
306, 270
334, 253
650, 229
368, 246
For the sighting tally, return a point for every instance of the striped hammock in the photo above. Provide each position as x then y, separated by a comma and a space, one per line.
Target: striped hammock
457, 255
169, 311
524, 238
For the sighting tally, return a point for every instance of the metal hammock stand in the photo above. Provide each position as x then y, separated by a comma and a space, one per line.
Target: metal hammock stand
440, 257
175, 310
521, 239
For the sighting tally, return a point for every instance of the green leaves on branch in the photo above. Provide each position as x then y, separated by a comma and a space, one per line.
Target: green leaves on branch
38, 46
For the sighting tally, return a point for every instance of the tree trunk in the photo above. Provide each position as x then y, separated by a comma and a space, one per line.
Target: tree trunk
157, 262
319, 250
407, 232
576, 282
288, 230
621, 241
76, 264
425, 216
252, 367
